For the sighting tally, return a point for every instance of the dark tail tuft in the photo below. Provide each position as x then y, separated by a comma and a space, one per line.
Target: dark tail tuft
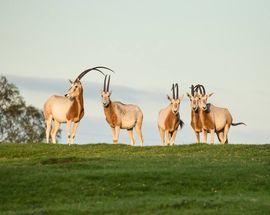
239, 123
181, 124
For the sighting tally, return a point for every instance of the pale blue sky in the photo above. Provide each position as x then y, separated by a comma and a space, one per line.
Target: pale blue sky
222, 44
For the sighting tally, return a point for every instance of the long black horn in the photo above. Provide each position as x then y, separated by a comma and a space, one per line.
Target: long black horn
104, 84
177, 91
173, 93
108, 84
203, 89
200, 89
192, 90
94, 68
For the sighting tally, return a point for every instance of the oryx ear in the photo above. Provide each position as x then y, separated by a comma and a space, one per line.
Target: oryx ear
70, 81
188, 95
210, 94
169, 98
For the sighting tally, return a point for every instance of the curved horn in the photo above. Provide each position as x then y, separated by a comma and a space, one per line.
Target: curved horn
198, 88
177, 91
203, 89
108, 83
173, 93
104, 84
94, 68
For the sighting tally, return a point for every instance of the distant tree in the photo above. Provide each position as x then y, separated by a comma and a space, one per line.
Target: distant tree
19, 123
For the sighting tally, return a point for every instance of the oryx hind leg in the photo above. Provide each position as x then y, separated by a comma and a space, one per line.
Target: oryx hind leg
55, 129
138, 129
131, 137
220, 136
48, 128
226, 131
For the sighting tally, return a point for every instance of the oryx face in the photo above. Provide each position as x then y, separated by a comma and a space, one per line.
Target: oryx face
175, 104
194, 101
203, 101
74, 90
105, 98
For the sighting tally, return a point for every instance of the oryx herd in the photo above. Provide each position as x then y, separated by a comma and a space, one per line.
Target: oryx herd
205, 117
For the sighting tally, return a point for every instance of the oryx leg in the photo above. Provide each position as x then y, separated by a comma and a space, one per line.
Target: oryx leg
68, 131
173, 137
220, 136
197, 137
138, 129
55, 129
117, 131
226, 131
113, 135
131, 137
73, 133
212, 133
48, 128
162, 136
167, 137
204, 136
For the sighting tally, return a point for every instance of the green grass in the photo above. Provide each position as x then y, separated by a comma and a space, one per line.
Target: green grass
120, 179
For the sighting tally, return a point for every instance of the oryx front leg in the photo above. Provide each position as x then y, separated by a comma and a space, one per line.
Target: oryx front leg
68, 132
173, 137
131, 137
162, 136
116, 137
212, 132
74, 129
204, 136
167, 137
197, 137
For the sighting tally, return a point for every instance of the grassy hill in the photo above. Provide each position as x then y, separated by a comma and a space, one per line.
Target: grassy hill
120, 179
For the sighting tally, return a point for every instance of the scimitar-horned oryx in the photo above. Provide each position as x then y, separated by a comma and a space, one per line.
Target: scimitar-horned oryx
195, 118
196, 123
169, 118
214, 119
121, 116
67, 109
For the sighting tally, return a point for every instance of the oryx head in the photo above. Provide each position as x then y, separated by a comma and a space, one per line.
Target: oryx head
174, 99
75, 89
76, 86
203, 97
105, 94
195, 96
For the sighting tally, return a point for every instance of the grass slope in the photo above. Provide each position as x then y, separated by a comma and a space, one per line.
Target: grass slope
119, 179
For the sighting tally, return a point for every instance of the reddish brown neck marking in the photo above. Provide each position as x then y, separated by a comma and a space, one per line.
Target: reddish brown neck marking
172, 121
110, 115
76, 110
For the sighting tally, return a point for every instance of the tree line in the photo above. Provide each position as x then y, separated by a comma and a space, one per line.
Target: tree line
19, 122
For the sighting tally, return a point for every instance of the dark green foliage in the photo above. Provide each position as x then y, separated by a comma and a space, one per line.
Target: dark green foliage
119, 179
19, 123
